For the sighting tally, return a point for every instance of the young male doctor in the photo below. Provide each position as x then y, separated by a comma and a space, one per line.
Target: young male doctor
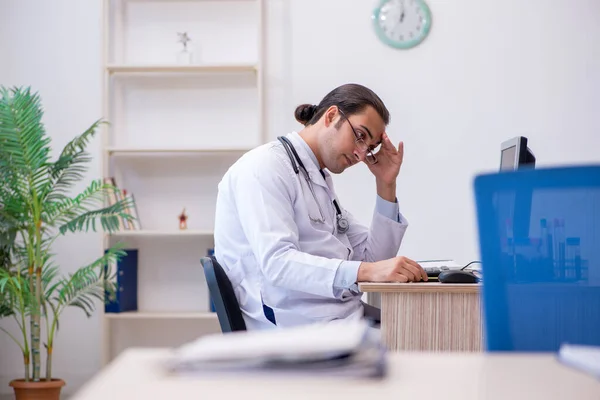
293, 254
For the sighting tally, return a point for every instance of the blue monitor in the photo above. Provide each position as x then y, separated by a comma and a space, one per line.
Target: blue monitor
541, 293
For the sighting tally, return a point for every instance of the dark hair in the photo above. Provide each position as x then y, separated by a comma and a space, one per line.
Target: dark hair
351, 98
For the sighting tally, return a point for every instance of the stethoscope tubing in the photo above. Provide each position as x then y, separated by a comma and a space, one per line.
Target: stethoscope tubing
341, 222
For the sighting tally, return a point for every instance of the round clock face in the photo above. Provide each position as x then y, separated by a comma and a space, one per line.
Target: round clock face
402, 23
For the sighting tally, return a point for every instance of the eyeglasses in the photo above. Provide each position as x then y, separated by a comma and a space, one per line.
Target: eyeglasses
360, 143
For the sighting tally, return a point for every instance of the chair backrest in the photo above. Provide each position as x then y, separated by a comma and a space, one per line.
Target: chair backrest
539, 236
223, 296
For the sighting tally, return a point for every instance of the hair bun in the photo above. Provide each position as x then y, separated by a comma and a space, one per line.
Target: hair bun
305, 112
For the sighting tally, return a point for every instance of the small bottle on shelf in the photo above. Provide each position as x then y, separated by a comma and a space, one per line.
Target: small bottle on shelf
573, 258
559, 248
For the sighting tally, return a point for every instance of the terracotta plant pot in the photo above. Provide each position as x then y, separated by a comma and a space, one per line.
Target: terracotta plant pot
41, 390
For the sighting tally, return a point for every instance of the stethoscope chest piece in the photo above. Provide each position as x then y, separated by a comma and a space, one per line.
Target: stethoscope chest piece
342, 224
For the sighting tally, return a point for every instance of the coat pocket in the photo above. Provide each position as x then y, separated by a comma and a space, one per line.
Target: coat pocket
237, 276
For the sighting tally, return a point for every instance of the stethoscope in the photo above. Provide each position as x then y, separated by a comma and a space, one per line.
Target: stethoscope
341, 221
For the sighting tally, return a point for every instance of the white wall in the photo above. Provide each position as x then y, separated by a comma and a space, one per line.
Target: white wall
53, 46
489, 70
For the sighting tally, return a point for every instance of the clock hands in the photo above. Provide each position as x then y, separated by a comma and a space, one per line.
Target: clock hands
402, 14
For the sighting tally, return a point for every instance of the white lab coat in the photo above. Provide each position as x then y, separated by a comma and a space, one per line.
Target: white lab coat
274, 254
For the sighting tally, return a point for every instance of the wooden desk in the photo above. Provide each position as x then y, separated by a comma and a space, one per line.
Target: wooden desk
429, 316
138, 374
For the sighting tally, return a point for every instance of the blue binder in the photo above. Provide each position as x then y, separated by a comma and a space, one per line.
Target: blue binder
127, 284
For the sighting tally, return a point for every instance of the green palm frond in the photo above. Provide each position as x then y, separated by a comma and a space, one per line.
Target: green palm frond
14, 284
14, 207
49, 282
6, 294
6, 309
65, 173
70, 166
40, 181
13, 193
20, 256
109, 216
5, 255
14, 211
25, 144
87, 284
6, 306
64, 211
11, 184
81, 142
7, 240
12, 287
75, 214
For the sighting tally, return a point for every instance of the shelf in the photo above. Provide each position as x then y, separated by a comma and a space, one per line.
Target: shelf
142, 69
166, 233
175, 129
162, 315
151, 151
188, 1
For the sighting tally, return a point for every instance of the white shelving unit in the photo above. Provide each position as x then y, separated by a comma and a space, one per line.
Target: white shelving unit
148, 233
174, 129
140, 69
209, 316
132, 151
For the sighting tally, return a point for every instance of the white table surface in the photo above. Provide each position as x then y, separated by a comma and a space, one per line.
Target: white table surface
138, 374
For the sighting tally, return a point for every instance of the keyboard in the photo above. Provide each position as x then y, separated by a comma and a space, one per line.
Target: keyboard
434, 272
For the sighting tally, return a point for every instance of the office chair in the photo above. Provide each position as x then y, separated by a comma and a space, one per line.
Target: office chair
223, 296
538, 233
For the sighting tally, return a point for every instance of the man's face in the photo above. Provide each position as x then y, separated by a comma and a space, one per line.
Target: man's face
340, 148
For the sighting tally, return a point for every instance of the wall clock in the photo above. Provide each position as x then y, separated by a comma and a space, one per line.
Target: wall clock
402, 24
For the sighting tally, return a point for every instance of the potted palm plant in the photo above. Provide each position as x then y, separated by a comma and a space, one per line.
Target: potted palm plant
6, 243
37, 208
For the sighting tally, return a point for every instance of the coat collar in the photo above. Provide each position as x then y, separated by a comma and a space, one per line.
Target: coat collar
308, 159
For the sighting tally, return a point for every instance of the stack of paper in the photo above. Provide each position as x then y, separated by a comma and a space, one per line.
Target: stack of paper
340, 348
583, 358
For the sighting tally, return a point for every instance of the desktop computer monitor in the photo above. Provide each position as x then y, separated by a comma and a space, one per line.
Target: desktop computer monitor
514, 154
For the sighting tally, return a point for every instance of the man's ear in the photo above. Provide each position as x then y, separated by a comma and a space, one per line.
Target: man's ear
330, 115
